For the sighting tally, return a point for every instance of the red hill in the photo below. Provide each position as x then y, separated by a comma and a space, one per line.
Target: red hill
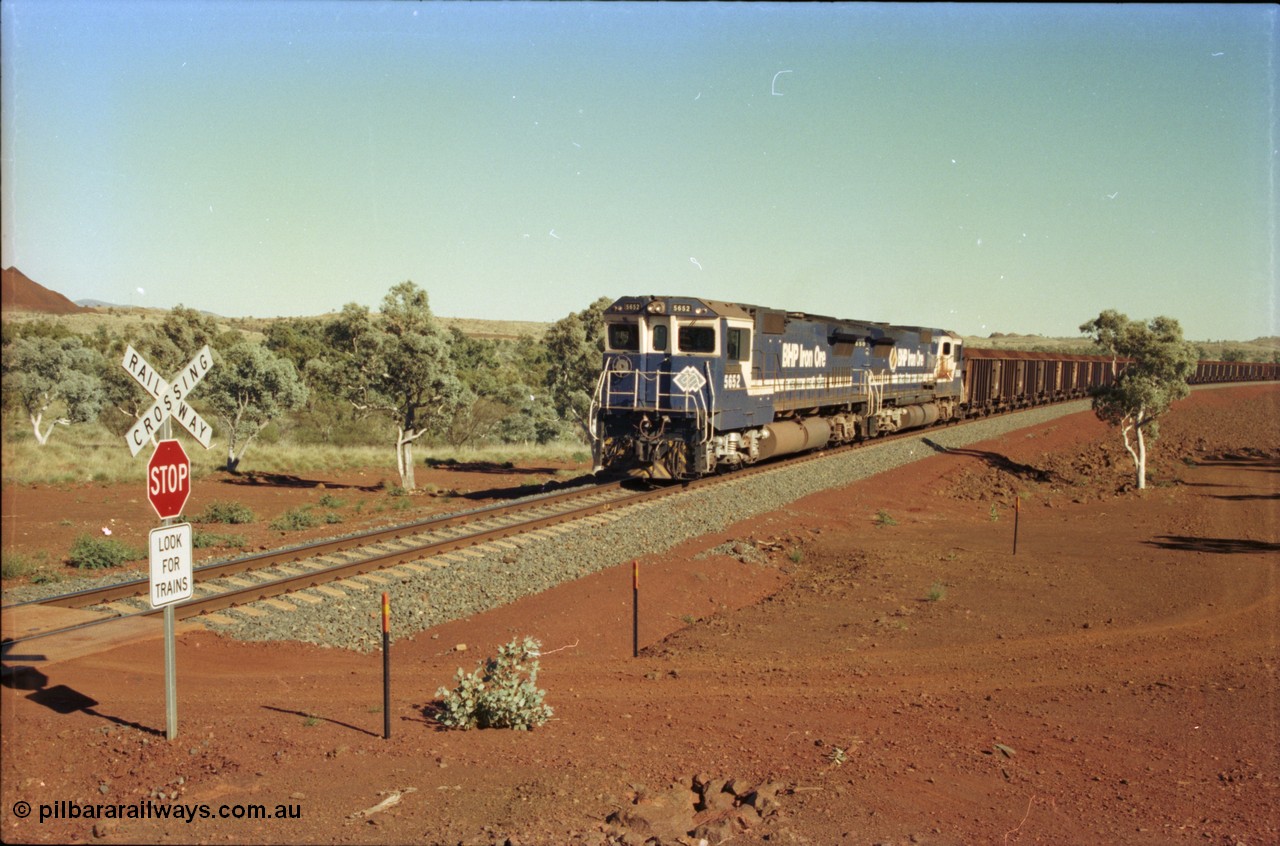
19, 293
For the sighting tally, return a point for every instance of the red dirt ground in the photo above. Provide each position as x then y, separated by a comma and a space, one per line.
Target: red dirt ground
43, 522
892, 673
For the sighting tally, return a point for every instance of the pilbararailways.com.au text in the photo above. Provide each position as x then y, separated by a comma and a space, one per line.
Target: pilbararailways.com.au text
146, 810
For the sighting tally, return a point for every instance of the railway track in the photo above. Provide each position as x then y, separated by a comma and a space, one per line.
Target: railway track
240, 581
300, 573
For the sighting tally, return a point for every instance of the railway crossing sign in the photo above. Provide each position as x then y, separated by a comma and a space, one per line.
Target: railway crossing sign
168, 479
172, 580
168, 486
169, 398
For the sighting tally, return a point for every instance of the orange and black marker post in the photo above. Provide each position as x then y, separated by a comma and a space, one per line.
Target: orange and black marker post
386, 666
635, 609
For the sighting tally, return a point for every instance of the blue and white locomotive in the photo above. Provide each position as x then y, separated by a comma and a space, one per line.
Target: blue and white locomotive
690, 387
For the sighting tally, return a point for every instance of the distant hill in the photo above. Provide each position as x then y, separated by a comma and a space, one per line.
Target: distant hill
19, 293
25, 299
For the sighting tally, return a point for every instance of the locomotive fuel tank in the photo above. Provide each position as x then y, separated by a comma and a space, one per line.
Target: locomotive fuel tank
784, 437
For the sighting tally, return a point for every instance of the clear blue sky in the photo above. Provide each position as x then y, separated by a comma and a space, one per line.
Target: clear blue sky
981, 168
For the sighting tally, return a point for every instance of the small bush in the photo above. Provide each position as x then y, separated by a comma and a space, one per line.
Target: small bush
90, 553
937, 591
15, 565
295, 520
331, 501
883, 518
226, 512
202, 540
498, 695
796, 555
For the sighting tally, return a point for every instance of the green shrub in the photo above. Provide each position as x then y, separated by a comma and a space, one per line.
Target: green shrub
331, 501
937, 591
883, 518
15, 565
202, 539
226, 512
90, 553
498, 695
292, 521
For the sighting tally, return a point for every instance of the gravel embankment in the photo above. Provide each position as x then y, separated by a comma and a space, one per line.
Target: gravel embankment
422, 600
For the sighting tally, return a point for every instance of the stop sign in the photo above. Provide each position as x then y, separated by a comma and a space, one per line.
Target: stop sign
168, 479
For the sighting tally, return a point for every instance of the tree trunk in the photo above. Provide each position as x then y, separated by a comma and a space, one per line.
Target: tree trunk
1142, 461
404, 458
234, 456
42, 438
408, 480
1139, 455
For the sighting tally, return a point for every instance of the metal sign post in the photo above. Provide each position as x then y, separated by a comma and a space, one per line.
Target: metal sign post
168, 486
169, 550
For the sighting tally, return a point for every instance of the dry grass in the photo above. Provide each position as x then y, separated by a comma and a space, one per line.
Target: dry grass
91, 453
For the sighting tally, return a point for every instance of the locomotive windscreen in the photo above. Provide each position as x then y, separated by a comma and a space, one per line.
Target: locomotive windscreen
697, 339
624, 337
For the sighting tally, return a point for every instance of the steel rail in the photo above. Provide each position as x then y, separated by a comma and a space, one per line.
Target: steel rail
282, 586
263, 560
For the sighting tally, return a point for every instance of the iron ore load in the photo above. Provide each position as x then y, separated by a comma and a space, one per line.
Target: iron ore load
691, 387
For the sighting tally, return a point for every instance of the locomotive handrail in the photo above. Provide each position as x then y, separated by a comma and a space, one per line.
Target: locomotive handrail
875, 398
711, 404
686, 401
593, 410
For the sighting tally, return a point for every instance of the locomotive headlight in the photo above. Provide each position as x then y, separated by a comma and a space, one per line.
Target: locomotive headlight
620, 364
656, 307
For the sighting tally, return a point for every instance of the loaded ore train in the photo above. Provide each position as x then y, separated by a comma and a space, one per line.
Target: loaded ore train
691, 387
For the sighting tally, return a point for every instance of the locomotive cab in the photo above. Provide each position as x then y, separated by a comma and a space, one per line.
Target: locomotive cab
655, 404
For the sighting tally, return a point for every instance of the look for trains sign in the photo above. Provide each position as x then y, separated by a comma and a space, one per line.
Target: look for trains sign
171, 572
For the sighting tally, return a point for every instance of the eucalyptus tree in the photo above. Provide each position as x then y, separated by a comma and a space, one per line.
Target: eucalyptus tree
396, 363
1157, 363
52, 376
575, 351
250, 387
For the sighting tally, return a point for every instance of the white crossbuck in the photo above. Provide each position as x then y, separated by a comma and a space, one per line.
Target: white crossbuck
169, 398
